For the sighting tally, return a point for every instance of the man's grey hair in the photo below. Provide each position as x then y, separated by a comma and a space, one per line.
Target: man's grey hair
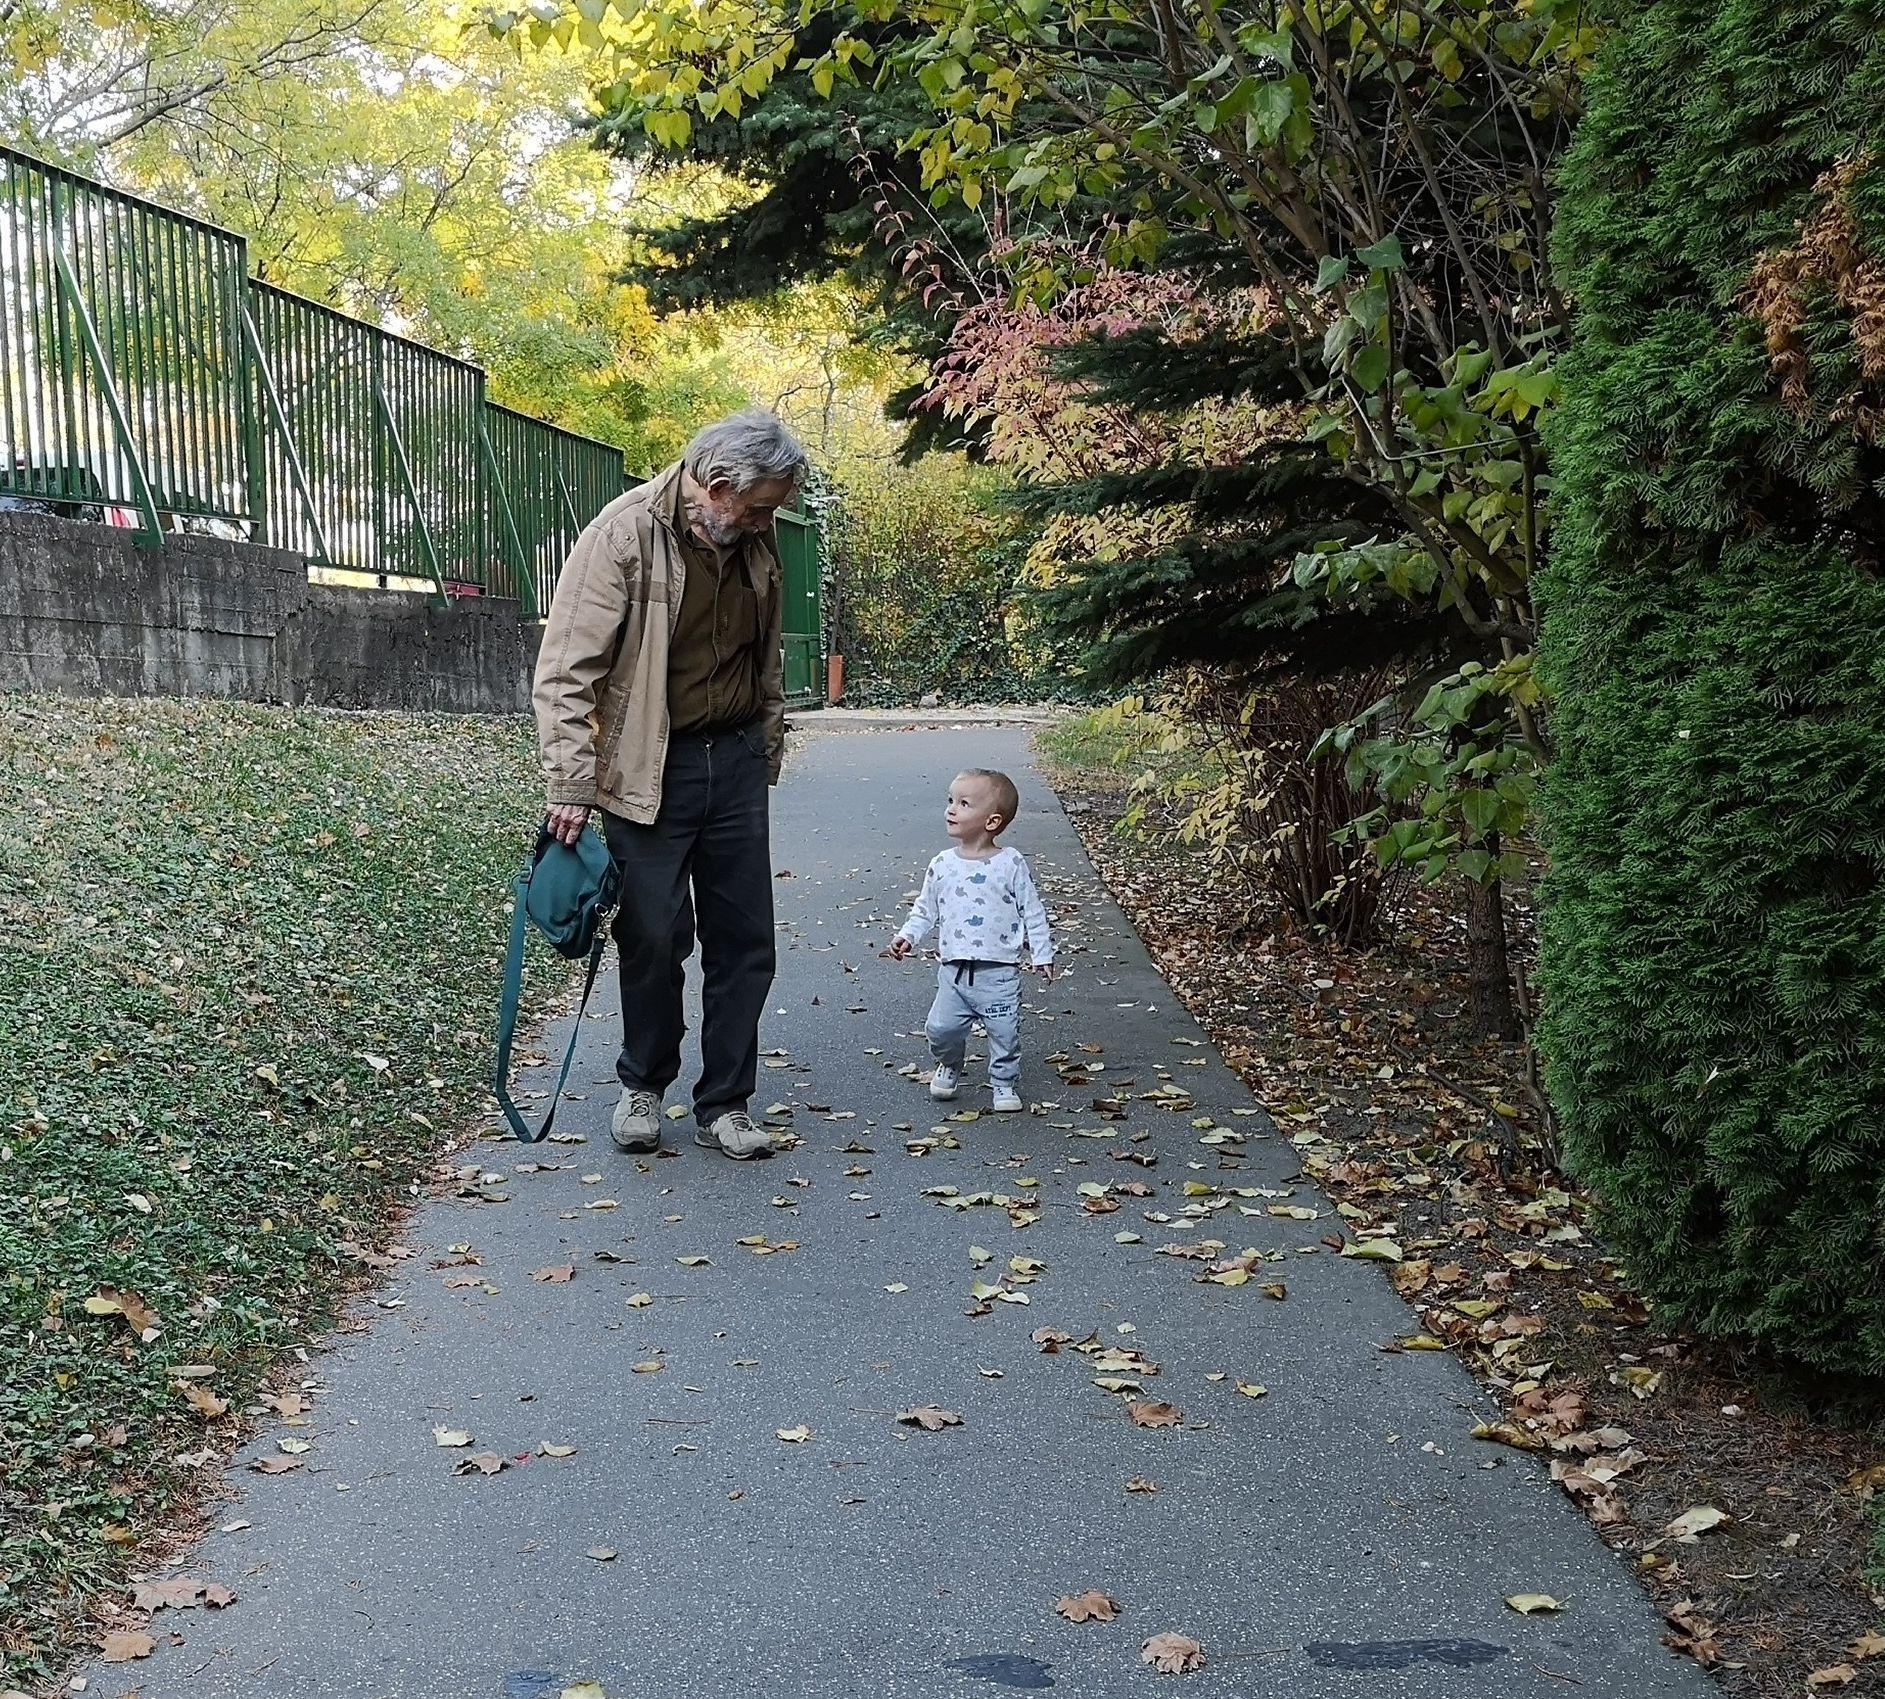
748, 449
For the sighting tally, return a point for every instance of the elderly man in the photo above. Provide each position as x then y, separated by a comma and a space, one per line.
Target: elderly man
659, 701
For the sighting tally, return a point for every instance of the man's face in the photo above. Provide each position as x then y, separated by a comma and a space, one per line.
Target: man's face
724, 515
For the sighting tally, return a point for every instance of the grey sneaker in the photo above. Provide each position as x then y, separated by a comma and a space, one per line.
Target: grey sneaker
636, 1126
1007, 1100
944, 1082
736, 1134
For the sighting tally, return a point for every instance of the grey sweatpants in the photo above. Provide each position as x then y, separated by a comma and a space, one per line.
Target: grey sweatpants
989, 992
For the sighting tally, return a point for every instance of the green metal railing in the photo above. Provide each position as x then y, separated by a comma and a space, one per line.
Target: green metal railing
546, 483
122, 368
145, 376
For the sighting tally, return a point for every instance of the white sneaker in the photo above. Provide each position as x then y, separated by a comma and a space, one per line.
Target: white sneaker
636, 1124
943, 1083
1007, 1100
736, 1134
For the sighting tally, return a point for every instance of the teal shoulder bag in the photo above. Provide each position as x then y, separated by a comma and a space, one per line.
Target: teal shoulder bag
566, 891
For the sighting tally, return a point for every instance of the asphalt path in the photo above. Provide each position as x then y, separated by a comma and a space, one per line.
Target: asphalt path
1340, 1534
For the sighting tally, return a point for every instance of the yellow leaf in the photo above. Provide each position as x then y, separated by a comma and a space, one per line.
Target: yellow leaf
1531, 1604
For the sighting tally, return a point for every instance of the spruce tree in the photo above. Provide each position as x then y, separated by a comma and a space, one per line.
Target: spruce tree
1714, 934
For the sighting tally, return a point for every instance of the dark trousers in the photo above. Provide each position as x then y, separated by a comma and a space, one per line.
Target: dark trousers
706, 861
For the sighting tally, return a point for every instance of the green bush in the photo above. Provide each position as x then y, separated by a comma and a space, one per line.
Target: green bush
1714, 933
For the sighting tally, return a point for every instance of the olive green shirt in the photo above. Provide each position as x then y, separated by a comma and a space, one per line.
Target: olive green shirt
714, 655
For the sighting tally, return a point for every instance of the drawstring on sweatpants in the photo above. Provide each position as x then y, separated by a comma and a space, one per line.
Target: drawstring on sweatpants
970, 967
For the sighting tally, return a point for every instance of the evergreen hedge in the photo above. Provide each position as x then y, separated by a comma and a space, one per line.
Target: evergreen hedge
1714, 632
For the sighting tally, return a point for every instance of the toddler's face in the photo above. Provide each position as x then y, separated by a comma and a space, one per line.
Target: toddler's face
969, 807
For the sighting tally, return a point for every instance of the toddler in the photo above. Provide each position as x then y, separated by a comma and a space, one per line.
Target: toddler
981, 901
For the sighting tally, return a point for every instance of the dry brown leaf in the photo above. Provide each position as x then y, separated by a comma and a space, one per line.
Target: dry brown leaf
178, 1593
1090, 1606
203, 1401
929, 1418
1866, 1646
274, 1465
1693, 1633
481, 1463
1154, 1413
138, 1315
1139, 1484
558, 1274
1173, 1654
1696, 1521
1509, 1433
1838, 1675
124, 1644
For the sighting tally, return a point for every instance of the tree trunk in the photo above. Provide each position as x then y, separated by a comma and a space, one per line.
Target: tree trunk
1490, 1009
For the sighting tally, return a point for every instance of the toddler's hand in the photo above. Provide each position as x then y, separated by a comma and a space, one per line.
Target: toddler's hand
900, 949
1046, 970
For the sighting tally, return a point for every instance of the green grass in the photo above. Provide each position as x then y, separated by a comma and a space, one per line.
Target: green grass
1082, 743
248, 970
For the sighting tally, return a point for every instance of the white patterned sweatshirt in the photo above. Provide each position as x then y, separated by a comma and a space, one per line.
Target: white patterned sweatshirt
982, 911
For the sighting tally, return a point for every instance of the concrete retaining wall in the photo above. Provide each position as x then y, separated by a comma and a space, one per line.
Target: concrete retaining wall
85, 612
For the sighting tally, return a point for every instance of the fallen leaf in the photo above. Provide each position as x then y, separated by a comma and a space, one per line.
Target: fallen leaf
583, 1690
1866, 1646
1154, 1413
138, 1315
1090, 1606
203, 1401
1532, 1604
1173, 1654
481, 1463
1696, 1521
550, 1448
1371, 1250
694, 1262
602, 1554
451, 1436
124, 1644
1139, 1484
640, 1301
274, 1465
929, 1418
1509, 1433
795, 1436
653, 1366
179, 1593
1250, 1389
1839, 1675
558, 1274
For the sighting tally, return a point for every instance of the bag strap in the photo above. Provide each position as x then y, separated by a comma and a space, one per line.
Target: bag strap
507, 1018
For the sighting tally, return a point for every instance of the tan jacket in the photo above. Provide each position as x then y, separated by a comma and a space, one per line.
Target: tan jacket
601, 692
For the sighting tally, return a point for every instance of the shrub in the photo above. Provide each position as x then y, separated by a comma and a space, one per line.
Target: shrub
1714, 930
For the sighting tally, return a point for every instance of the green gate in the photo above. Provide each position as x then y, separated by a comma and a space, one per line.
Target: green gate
802, 616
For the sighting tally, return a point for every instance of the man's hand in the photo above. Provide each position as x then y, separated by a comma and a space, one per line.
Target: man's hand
900, 948
567, 820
